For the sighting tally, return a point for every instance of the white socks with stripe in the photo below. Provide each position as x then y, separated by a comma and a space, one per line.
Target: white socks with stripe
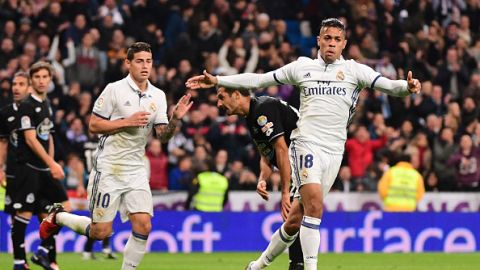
134, 251
310, 241
79, 224
279, 242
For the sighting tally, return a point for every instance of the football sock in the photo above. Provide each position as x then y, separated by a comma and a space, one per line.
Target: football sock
134, 251
79, 224
18, 237
48, 246
295, 254
279, 242
310, 241
106, 243
89, 245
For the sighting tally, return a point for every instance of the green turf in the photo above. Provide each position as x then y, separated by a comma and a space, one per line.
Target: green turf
237, 261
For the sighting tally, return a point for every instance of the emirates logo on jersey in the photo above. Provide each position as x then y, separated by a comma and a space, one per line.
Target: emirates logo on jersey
340, 76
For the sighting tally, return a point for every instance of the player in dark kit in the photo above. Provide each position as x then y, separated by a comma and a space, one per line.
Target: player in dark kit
270, 122
9, 122
37, 172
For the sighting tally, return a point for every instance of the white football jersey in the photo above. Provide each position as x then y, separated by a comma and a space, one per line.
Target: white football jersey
123, 152
328, 95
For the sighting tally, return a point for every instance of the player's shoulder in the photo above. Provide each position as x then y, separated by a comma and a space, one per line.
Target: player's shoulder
153, 90
266, 102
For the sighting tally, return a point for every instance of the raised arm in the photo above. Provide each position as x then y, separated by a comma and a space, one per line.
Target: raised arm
166, 131
239, 81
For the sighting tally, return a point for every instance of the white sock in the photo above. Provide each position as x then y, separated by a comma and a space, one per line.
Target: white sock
310, 241
279, 242
79, 224
134, 251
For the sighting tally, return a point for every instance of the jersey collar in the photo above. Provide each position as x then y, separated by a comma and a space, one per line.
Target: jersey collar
37, 98
135, 88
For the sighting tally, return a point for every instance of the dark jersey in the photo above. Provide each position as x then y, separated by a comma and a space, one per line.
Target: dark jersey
268, 119
34, 114
8, 130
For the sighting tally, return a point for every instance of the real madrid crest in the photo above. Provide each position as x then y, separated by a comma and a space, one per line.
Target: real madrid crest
152, 107
262, 120
340, 75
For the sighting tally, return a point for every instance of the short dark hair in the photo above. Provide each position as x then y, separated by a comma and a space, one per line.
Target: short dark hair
333, 22
230, 91
22, 74
138, 47
38, 66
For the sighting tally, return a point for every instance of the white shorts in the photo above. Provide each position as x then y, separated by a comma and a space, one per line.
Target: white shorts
109, 193
310, 164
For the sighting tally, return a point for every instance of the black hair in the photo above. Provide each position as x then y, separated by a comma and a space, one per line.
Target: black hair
333, 22
138, 47
230, 91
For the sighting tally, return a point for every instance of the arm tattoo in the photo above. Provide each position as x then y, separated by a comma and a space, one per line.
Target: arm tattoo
165, 132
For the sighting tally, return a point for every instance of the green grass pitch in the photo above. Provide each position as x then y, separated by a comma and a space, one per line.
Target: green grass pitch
237, 261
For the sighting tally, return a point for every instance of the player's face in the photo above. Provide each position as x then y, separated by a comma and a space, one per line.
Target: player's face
331, 42
140, 66
41, 80
19, 88
226, 101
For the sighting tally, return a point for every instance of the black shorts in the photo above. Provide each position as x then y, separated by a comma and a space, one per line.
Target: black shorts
33, 191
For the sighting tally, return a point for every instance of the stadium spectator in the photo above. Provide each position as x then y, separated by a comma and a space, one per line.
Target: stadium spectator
158, 162
401, 187
466, 162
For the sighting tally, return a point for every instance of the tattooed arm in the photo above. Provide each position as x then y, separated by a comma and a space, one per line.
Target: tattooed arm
165, 132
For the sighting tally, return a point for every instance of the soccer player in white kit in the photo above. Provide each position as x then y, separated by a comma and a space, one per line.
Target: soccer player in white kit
124, 114
329, 89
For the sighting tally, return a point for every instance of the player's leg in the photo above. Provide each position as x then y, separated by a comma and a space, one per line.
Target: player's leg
281, 238
295, 254
51, 191
104, 196
23, 203
317, 176
138, 207
107, 250
308, 167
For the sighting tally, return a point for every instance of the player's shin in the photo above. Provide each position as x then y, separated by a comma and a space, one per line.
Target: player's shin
79, 224
18, 237
279, 242
134, 251
310, 241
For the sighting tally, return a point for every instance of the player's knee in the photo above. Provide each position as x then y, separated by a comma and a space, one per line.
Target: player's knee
100, 232
144, 228
313, 209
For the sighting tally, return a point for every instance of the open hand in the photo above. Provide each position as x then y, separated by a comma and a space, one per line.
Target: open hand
206, 80
182, 107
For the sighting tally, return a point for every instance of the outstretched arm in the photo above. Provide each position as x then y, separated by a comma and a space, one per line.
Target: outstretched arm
399, 88
239, 81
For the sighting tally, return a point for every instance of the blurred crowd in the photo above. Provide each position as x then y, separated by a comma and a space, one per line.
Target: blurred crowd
86, 41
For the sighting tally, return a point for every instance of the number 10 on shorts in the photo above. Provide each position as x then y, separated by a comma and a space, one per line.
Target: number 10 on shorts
105, 200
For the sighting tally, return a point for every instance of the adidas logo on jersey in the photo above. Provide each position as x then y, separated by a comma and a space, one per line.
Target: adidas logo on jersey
127, 103
307, 75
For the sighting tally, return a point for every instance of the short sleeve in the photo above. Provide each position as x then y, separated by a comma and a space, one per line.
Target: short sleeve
103, 106
365, 75
26, 115
286, 74
161, 117
268, 121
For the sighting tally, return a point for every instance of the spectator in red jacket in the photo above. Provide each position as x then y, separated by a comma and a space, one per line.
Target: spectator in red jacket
158, 165
360, 151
